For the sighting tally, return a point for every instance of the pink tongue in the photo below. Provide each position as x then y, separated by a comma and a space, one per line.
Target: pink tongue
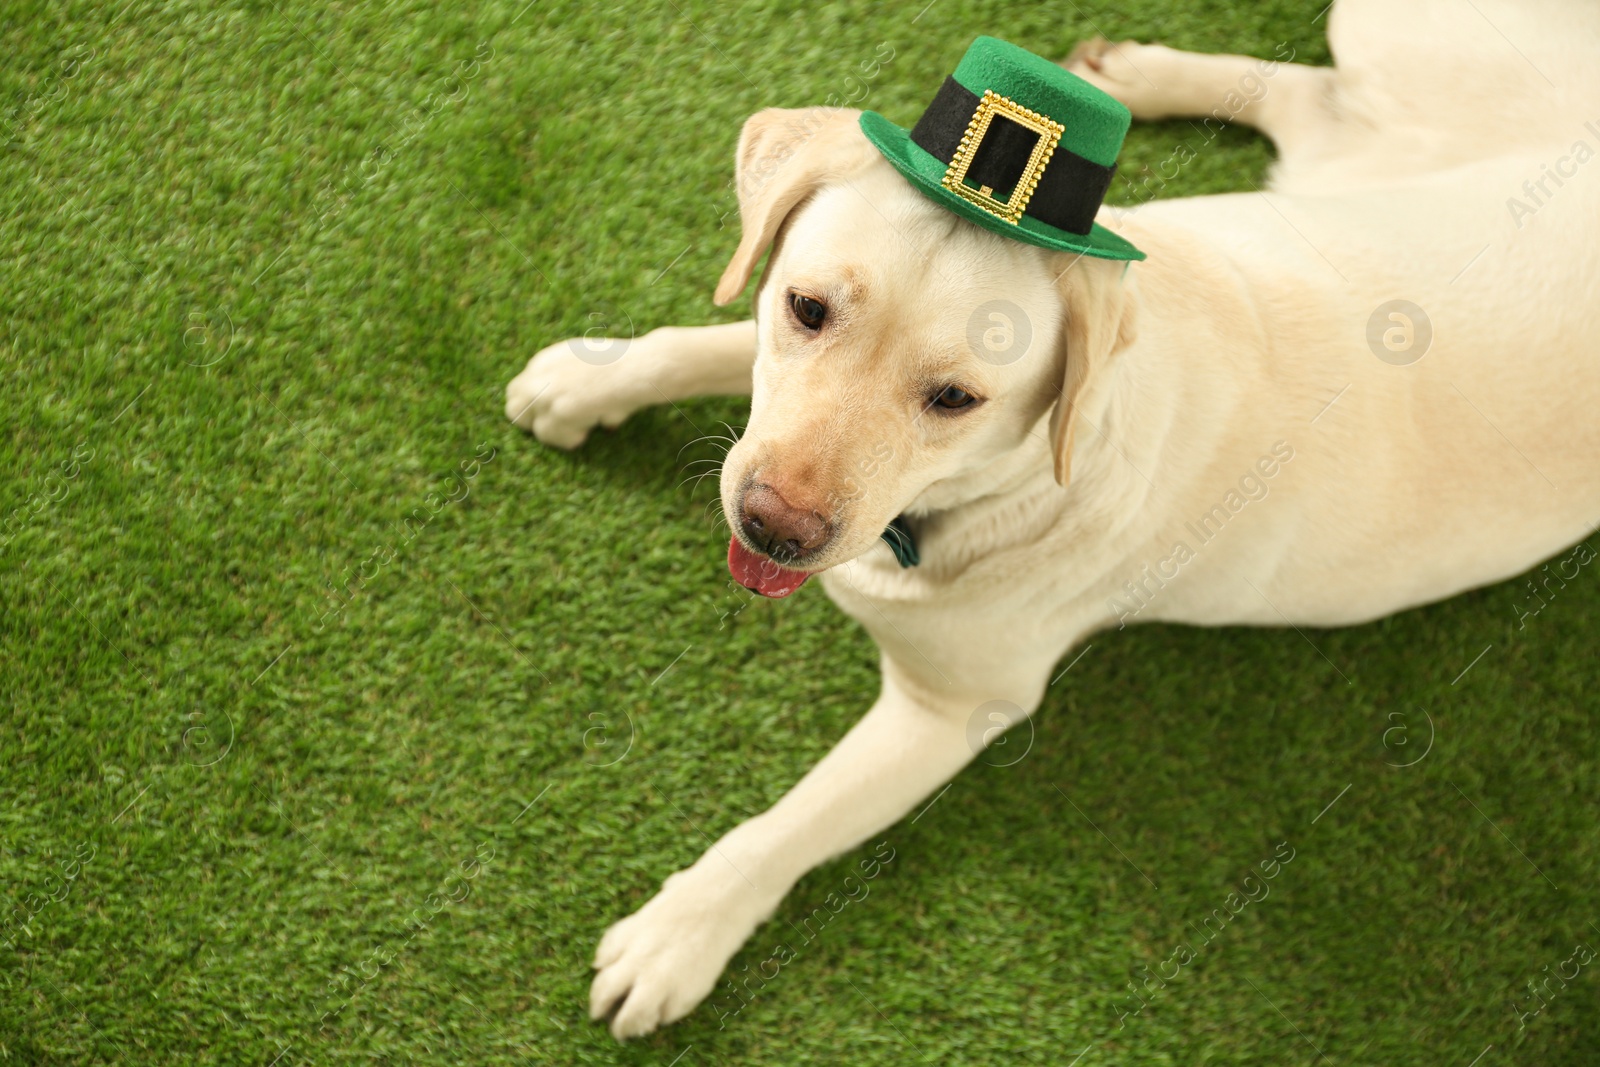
760, 574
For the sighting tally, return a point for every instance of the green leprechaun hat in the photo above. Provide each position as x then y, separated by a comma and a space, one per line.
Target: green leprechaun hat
1019, 146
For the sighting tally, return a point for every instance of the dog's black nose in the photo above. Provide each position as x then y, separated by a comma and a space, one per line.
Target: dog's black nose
777, 527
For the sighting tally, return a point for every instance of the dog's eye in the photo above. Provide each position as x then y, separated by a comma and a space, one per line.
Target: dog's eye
809, 312
952, 397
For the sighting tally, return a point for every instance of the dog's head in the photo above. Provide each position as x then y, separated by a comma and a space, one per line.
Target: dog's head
903, 352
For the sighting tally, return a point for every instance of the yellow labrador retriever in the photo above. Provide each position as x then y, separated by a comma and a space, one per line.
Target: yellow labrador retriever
1372, 385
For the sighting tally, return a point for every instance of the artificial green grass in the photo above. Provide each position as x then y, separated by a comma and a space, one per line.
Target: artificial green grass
266, 269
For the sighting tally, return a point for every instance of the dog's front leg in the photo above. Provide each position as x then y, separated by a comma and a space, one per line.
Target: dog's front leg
578, 384
662, 960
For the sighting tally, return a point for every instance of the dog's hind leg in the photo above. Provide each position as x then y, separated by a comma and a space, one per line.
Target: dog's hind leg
1289, 102
575, 385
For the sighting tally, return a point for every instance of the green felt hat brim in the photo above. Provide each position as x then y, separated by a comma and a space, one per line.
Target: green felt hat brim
926, 171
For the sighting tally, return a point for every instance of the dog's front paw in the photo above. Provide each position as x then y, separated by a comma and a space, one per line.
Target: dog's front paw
570, 388
662, 960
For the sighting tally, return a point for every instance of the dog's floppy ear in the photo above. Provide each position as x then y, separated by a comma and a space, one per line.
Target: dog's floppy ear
784, 156
1099, 303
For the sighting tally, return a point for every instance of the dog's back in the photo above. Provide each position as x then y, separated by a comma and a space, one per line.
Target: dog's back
1426, 262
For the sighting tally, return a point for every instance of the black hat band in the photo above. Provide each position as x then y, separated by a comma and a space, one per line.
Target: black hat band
1070, 189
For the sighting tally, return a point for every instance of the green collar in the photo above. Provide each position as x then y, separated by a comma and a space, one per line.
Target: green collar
900, 539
